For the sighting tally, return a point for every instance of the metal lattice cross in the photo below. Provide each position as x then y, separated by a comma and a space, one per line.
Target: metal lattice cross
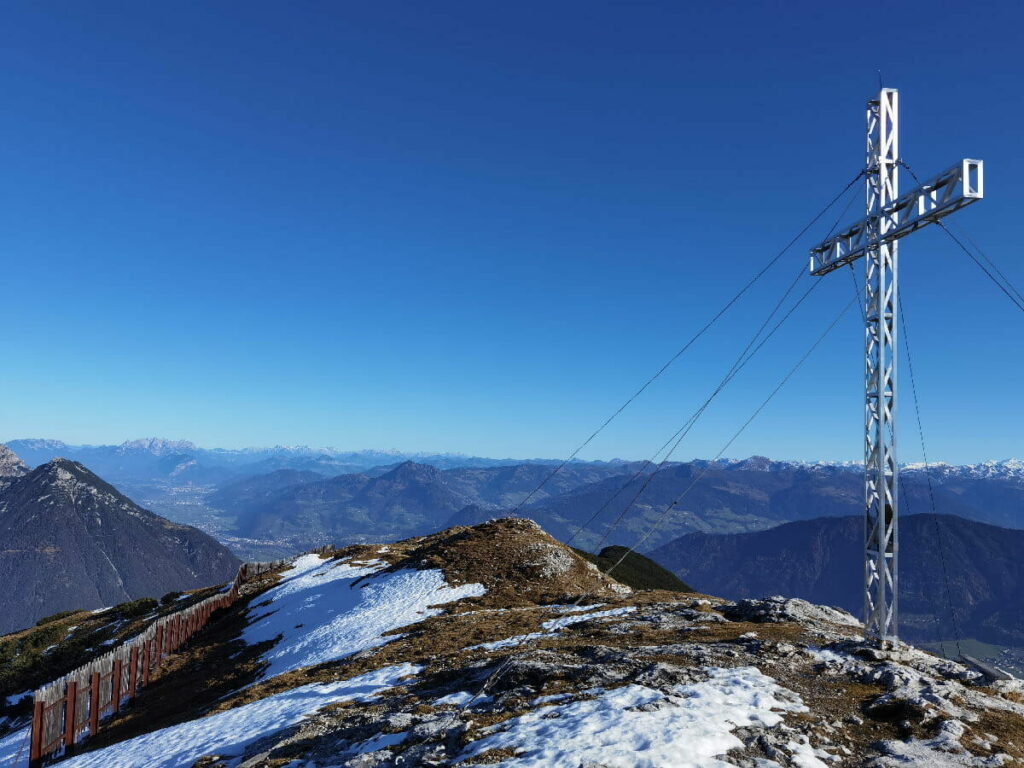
889, 218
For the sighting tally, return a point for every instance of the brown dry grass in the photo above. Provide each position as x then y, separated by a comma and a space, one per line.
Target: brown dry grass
1007, 727
510, 557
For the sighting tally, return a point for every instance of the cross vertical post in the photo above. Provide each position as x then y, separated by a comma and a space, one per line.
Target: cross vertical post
875, 238
881, 473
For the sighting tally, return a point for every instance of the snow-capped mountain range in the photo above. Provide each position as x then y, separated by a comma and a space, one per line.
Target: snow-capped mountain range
1005, 469
36, 451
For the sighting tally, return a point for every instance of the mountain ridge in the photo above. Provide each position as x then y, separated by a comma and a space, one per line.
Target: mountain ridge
71, 541
372, 457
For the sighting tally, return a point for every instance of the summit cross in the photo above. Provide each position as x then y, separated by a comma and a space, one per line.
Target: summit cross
889, 218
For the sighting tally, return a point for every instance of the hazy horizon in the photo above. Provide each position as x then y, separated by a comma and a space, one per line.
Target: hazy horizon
444, 452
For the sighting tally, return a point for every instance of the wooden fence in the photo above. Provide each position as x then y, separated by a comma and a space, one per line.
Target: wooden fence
73, 706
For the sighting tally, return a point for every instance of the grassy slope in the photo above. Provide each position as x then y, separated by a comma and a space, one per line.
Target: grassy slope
636, 571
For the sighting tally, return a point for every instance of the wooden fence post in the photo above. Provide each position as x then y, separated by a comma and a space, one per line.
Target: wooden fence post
172, 632
94, 703
133, 671
115, 686
70, 699
35, 750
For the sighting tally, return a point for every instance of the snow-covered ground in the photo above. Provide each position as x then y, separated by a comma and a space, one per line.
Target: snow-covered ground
322, 610
639, 727
228, 733
327, 609
14, 749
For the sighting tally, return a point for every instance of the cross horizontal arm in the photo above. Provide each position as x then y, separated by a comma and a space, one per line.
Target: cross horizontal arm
950, 191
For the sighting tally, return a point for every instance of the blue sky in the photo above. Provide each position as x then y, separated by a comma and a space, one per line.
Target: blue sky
478, 227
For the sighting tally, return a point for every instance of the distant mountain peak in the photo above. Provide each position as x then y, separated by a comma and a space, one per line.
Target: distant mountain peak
74, 541
412, 469
69, 482
756, 464
11, 464
158, 446
64, 468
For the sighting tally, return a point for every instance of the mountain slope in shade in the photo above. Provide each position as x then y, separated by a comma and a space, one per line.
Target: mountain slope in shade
725, 497
242, 494
737, 497
70, 540
820, 560
407, 500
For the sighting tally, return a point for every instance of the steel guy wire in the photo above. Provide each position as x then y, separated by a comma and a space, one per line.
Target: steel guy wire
691, 422
988, 261
1019, 303
681, 433
757, 276
928, 476
935, 608
733, 370
500, 670
735, 436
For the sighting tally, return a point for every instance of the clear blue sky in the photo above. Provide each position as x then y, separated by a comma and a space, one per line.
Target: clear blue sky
478, 227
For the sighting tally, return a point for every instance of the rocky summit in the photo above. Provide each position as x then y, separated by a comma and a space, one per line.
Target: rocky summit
497, 645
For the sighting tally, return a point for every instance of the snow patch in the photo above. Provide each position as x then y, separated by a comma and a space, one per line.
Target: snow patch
378, 742
325, 610
457, 699
827, 656
551, 627
639, 726
228, 733
943, 751
572, 608
15, 698
14, 749
802, 755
